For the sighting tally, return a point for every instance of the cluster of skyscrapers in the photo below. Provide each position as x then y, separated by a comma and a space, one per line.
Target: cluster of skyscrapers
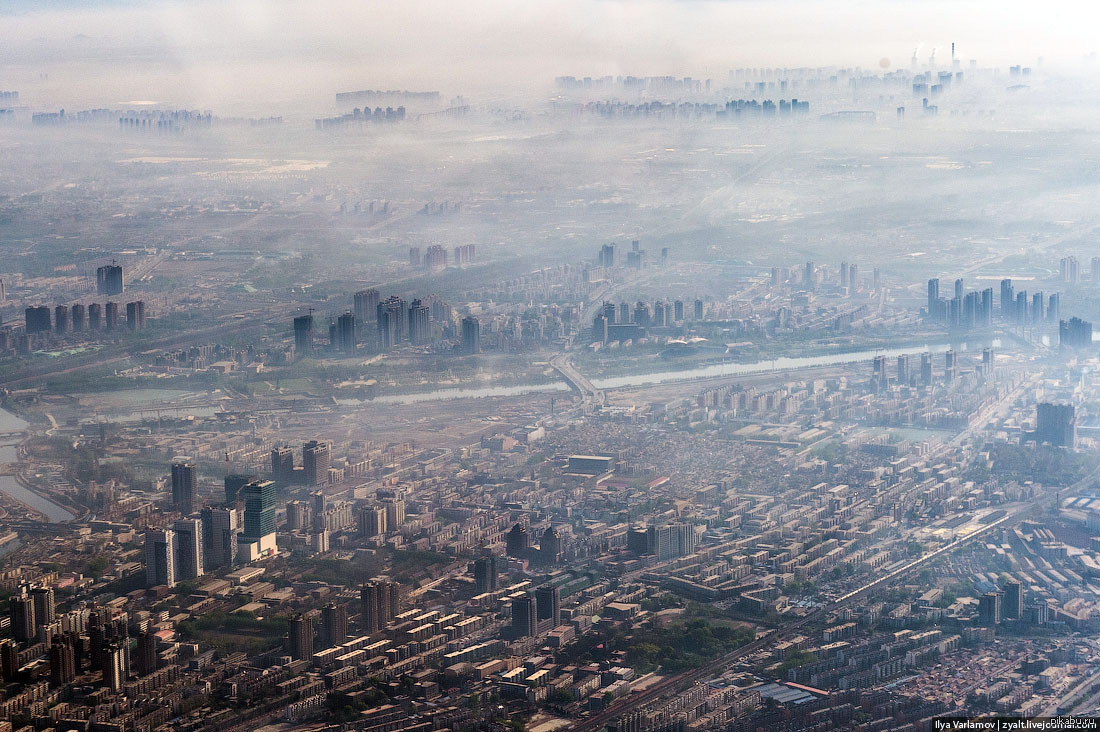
219, 536
381, 325
81, 319
908, 376
967, 310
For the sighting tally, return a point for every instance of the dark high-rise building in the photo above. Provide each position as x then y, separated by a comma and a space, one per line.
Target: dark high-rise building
37, 319
110, 316
624, 313
108, 279
372, 521
1021, 315
301, 637
318, 508
419, 331
471, 335
61, 319
189, 558
345, 332
879, 379
380, 604
62, 663
853, 277
366, 305
933, 296
259, 509
44, 611
435, 258
518, 541
315, 462
1056, 424
21, 611
959, 286
1038, 308
1008, 298
9, 659
303, 335
135, 315
334, 624
1075, 333
485, 574
608, 311
607, 255
1012, 606
282, 465
160, 557
600, 329
524, 619
548, 604
808, 276
550, 546
905, 372
183, 487
95, 316
950, 366
392, 322
678, 311
698, 310
115, 665
220, 525
235, 481
77, 313
989, 609
146, 653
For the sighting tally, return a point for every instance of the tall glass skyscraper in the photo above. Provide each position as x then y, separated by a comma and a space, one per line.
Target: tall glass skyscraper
259, 509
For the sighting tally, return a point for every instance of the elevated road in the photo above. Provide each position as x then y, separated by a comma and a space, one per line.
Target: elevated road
578, 381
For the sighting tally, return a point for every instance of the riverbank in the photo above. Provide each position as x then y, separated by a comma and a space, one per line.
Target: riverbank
14, 487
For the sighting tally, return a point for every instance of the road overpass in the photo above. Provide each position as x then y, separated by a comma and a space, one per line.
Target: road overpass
576, 380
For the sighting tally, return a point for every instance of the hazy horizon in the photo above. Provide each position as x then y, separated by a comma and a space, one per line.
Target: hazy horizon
246, 55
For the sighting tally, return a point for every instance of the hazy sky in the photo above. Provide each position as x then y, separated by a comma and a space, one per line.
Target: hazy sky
225, 52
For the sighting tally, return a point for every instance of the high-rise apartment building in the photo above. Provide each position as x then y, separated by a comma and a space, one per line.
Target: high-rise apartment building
485, 574
108, 279
380, 603
189, 555
135, 315
315, 462
184, 480
471, 335
160, 557
301, 637
303, 335
282, 465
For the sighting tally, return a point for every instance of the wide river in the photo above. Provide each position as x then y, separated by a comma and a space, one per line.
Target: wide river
10, 486
662, 377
